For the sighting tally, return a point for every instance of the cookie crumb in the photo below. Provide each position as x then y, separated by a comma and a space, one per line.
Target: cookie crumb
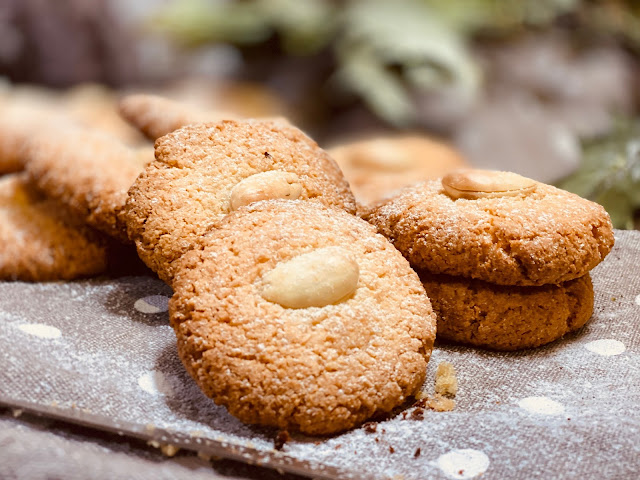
370, 427
169, 450
417, 453
16, 412
282, 438
446, 381
417, 413
421, 395
441, 403
391, 449
204, 456
166, 448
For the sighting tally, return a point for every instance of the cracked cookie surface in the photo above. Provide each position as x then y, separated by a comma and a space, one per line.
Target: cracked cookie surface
547, 236
198, 172
317, 369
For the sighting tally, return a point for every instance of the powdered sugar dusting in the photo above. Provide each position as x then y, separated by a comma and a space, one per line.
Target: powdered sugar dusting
108, 348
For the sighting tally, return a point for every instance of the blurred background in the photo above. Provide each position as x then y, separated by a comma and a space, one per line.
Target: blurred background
546, 88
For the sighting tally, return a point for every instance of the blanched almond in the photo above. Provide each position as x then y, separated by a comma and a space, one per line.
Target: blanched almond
265, 186
315, 279
474, 184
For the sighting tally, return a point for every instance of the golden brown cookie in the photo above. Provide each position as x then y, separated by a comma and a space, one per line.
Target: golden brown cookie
496, 226
378, 167
499, 317
299, 316
40, 240
20, 122
88, 171
203, 172
96, 106
156, 116
13, 140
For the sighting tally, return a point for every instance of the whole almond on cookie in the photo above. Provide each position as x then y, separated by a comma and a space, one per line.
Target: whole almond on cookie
203, 172
260, 340
510, 231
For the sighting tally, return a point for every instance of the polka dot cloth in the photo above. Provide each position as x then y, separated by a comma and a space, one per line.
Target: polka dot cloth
152, 304
102, 351
465, 463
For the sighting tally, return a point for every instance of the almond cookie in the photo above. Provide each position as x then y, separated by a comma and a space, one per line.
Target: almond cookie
156, 116
496, 226
42, 241
378, 167
19, 123
202, 172
501, 317
299, 316
88, 171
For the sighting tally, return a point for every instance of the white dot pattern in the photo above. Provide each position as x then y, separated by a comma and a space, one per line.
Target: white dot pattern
152, 304
541, 405
465, 463
40, 330
606, 347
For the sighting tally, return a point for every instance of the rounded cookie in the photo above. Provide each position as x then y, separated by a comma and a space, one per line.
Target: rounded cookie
156, 116
496, 226
88, 171
378, 167
502, 317
203, 171
260, 339
42, 241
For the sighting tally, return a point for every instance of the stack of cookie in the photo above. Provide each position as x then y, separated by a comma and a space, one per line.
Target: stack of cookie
505, 260
288, 309
66, 171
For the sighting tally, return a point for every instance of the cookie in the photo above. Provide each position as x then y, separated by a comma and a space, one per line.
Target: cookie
89, 172
299, 316
19, 123
496, 226
96, 106
42, 241
202, 172
13, 139
378, 167
156, 116
498, 317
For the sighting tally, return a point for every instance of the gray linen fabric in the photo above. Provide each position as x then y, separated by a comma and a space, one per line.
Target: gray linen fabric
100, 353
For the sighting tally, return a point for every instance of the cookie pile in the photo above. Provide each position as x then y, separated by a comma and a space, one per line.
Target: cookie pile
288, 309
504, 259
66, 171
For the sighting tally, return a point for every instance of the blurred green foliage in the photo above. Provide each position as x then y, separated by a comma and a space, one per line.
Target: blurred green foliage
385, 51
610, 173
